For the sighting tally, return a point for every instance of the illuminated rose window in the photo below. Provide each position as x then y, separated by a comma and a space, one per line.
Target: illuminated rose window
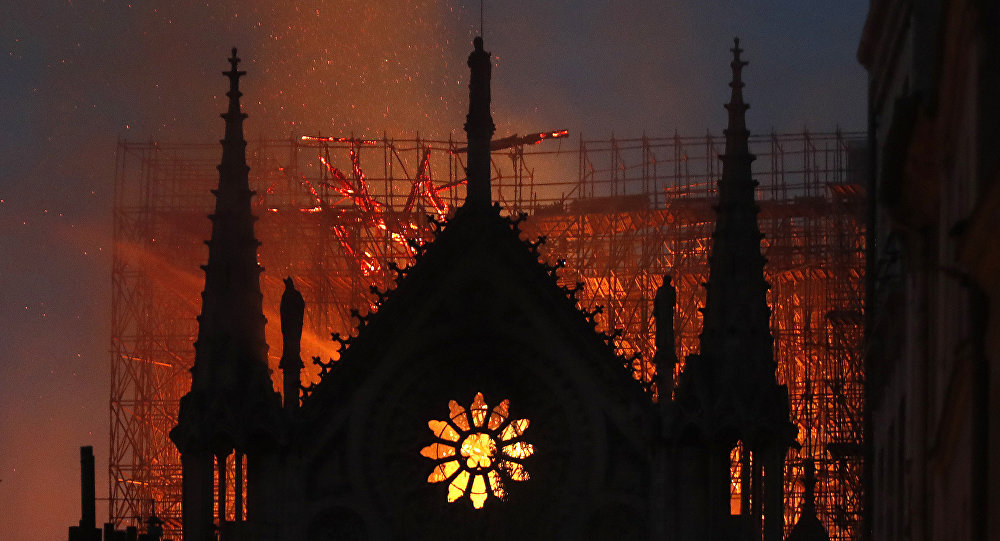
478, 450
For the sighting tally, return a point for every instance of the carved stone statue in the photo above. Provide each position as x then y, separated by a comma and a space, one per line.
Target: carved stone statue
292, 311
663, 312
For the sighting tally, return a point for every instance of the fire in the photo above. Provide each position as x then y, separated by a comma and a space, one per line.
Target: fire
551, 135
338, 246
517, 140
352, 140
424, 186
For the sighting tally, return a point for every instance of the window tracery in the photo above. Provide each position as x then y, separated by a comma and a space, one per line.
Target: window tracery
478, 450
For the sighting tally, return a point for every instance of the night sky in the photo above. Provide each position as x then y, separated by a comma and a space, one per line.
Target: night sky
76, 76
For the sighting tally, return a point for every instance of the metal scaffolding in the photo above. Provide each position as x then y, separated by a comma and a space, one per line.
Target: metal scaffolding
334, 213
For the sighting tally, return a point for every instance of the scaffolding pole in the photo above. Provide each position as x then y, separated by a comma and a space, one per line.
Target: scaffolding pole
621, 212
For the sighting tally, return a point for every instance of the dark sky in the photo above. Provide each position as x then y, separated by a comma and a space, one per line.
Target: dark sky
75, 76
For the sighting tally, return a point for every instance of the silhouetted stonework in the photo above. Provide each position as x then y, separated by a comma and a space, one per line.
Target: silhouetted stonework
477, 400
728, 393
232, 409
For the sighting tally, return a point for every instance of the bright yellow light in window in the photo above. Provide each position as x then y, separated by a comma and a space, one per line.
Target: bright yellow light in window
477, 450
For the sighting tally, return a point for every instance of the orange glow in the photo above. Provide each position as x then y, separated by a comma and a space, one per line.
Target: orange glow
735, 488
479, 410
480, 431
424, 186
336, 247
443, 430
552, 135
499, 414
517, 140
479, 448
319, 139
514, 430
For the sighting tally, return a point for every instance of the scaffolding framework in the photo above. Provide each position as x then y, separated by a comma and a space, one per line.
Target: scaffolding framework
622, 213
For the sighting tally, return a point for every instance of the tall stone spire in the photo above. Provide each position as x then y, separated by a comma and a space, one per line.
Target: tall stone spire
736, 335
232, 407
728, 394
479, 128
231, 353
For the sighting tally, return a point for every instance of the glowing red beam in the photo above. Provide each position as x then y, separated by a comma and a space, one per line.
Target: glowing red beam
320, 139
365, 200
423, 185
367, 262
312, 191
559, 134
358, 192
345, 188
517, 140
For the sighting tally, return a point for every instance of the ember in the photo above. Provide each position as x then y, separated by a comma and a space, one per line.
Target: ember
621, 213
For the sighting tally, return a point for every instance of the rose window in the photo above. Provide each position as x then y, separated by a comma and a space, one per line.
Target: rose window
478, 450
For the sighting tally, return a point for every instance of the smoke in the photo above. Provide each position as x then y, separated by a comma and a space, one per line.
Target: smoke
78, 75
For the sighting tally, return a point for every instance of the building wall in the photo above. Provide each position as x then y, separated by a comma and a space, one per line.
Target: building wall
933, 344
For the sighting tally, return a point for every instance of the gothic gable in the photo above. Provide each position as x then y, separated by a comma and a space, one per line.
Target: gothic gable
477, 315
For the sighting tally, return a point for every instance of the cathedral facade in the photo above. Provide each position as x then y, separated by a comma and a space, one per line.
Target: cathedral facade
477, 400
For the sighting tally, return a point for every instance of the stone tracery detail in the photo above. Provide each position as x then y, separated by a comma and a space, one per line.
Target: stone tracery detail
477, 450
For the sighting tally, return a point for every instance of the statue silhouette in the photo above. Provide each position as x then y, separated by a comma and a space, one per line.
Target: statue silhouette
663, 312
292, 310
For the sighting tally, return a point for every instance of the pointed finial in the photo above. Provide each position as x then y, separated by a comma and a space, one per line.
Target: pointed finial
738, 64
479, 127
234, 144
736, 106
234, 75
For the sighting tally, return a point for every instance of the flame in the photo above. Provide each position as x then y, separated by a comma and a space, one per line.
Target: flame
369, 232
551, 135
352, 140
